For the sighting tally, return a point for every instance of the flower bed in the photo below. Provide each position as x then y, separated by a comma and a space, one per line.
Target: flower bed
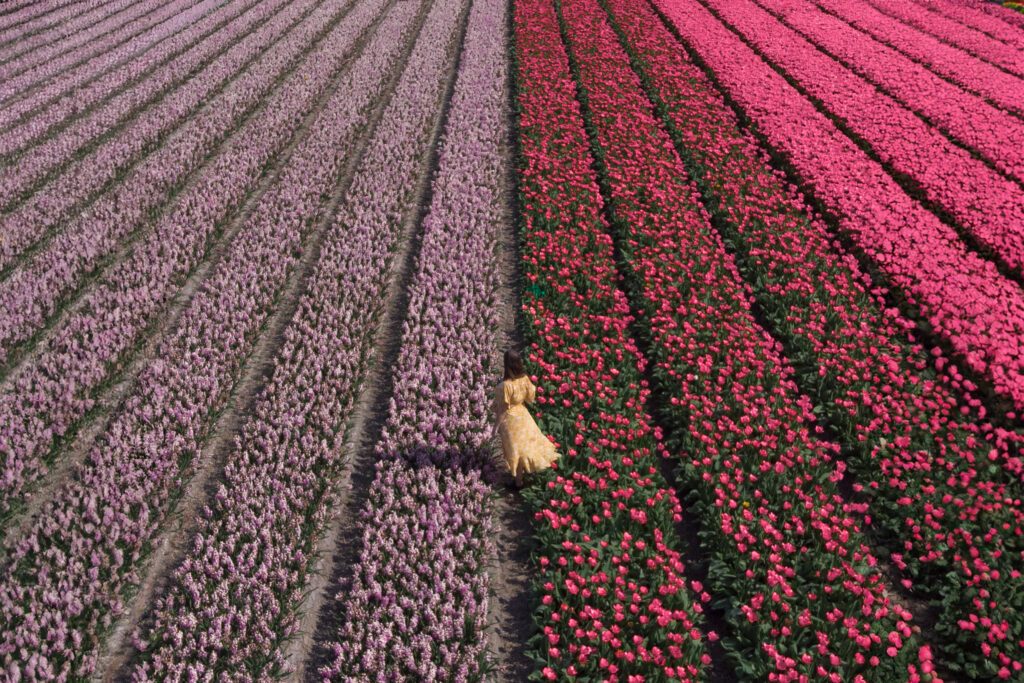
970, 73
36, 406
988, 207
909, 426
87, 542
416, 608
272, 510
995, 135
614, 600
962, 298
786, 554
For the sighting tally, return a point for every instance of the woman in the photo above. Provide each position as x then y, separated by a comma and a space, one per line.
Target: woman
526, 449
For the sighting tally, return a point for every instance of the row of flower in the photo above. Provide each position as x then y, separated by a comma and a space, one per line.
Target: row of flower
615, 603
998, 87
417, 605
953, 32
960, 296
917, 435
46, 398
86, 544
1015, 6
122, 92
997, 136
37, 57
54, 78
85, 239
787, 556
231, 603
966, 12
31, 15
987, 206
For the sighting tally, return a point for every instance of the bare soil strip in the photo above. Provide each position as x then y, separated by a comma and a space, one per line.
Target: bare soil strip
508, 614
175, 541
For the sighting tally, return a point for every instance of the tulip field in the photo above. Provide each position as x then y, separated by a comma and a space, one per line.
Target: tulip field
259, 260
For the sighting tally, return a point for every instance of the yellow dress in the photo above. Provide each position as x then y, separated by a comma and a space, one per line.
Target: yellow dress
525, 447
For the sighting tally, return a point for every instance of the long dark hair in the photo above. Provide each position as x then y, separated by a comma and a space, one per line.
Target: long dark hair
514, 365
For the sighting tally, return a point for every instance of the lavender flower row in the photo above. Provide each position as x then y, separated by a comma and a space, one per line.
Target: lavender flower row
43, 121
417, 606
34, 292
81, 56
86, 543
1002, 89
57, 152
36, 404
84, 54
17, 12
268, 515
59, 24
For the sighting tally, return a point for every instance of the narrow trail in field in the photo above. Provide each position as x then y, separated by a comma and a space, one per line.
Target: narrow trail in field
338, 553
174, 541
166, 139
508, 613
89, 53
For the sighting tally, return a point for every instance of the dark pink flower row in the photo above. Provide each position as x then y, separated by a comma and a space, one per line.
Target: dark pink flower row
961, 296
615, 602
994, 134
417, 605
250, 559
953, 32
45, 398
140, 80
37, 289
986, 205
998, 87
969, 14
910, 427
21, 12
1005, 14
87, 542
787, 552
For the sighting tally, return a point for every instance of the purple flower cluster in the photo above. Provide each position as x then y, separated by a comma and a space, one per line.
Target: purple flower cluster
964, 298
72, 61
984, 47
80, 180
35, 291
43, 400
417, 606
987, 205
251, 556
148, 75
85, 545
994, 134
1002, 89
49, 27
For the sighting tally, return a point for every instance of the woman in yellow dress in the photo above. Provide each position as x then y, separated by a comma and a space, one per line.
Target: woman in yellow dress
525, 447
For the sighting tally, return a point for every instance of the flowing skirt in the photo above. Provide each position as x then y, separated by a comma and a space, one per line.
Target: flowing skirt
525, 447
